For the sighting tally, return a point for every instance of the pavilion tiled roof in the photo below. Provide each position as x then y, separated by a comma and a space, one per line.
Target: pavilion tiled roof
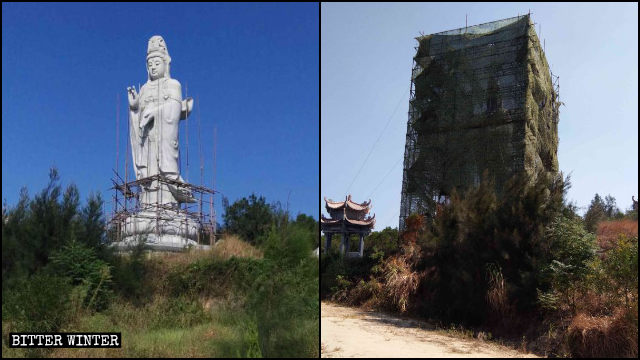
369, 221
348, 203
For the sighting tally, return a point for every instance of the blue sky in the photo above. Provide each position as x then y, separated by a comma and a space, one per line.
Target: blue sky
366, 61
253, 68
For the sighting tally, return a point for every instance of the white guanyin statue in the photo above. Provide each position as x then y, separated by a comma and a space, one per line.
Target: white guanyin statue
154, 117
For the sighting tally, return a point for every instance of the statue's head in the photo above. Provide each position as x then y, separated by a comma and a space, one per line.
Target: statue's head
158, 59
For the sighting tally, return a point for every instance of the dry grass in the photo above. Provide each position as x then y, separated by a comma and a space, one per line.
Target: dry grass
227, 247
232, 245
400, 281
608, 232
497, 293
604, 336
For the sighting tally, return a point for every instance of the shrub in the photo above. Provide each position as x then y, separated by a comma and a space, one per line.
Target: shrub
385, 241
80, 263
331, 266
129, 274
400, 281
621, 269
284, 296
39, 303
571, 249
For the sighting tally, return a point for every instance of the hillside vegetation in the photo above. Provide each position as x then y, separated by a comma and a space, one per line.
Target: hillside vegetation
246, 297
519, 265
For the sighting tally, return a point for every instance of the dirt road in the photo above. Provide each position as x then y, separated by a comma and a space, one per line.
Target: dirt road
349, 332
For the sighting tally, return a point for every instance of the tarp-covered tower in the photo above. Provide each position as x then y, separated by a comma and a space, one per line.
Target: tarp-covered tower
482, 99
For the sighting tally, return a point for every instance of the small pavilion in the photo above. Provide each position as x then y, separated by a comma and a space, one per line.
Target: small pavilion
347, 218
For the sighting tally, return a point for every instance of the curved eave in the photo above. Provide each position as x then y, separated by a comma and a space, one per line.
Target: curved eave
362, 223
348, 203
329, 221
366, 222
355, 206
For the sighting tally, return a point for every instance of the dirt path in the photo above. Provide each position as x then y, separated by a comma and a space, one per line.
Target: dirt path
350, 332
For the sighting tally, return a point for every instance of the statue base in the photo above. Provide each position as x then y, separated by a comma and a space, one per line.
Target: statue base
160, 229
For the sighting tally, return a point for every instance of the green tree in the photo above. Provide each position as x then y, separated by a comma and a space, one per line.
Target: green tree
385, 241
482, 227
611, 209
572, 248
92, 222
310, 224
79, 262
249, 218
595, 214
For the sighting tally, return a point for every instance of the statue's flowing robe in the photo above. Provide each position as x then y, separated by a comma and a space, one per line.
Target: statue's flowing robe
155, 144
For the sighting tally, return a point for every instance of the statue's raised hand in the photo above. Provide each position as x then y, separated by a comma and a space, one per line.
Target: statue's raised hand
133, 97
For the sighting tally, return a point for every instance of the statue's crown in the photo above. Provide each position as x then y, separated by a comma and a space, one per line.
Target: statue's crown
157, 47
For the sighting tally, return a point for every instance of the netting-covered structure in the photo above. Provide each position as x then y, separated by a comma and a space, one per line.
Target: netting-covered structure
482, 99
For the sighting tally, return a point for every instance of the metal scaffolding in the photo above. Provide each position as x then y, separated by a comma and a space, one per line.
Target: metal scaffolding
129, 205
191, 213
482, 98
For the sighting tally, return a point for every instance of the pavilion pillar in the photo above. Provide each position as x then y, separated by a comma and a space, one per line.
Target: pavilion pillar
342, 242
361, 244
346, 250
327, 244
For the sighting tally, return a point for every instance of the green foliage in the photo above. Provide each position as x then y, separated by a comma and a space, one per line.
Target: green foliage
249, 218
611, 209
310, 224
572, 249
92, 220
129, 273
482, 227
601, 210
595, 214
385, 242
273, 301
620, 270
182, 312
289, 245
79, 262
37, 303
331, 267
37, 227
49, 257
285, 295
208, 277
244, 342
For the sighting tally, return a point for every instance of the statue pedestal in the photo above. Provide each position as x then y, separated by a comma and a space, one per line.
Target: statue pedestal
161, 229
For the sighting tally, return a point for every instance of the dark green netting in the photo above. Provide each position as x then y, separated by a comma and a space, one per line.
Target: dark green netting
482, 101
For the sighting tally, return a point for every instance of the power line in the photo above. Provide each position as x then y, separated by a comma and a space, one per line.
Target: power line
395, 215
376, 142
381, 181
